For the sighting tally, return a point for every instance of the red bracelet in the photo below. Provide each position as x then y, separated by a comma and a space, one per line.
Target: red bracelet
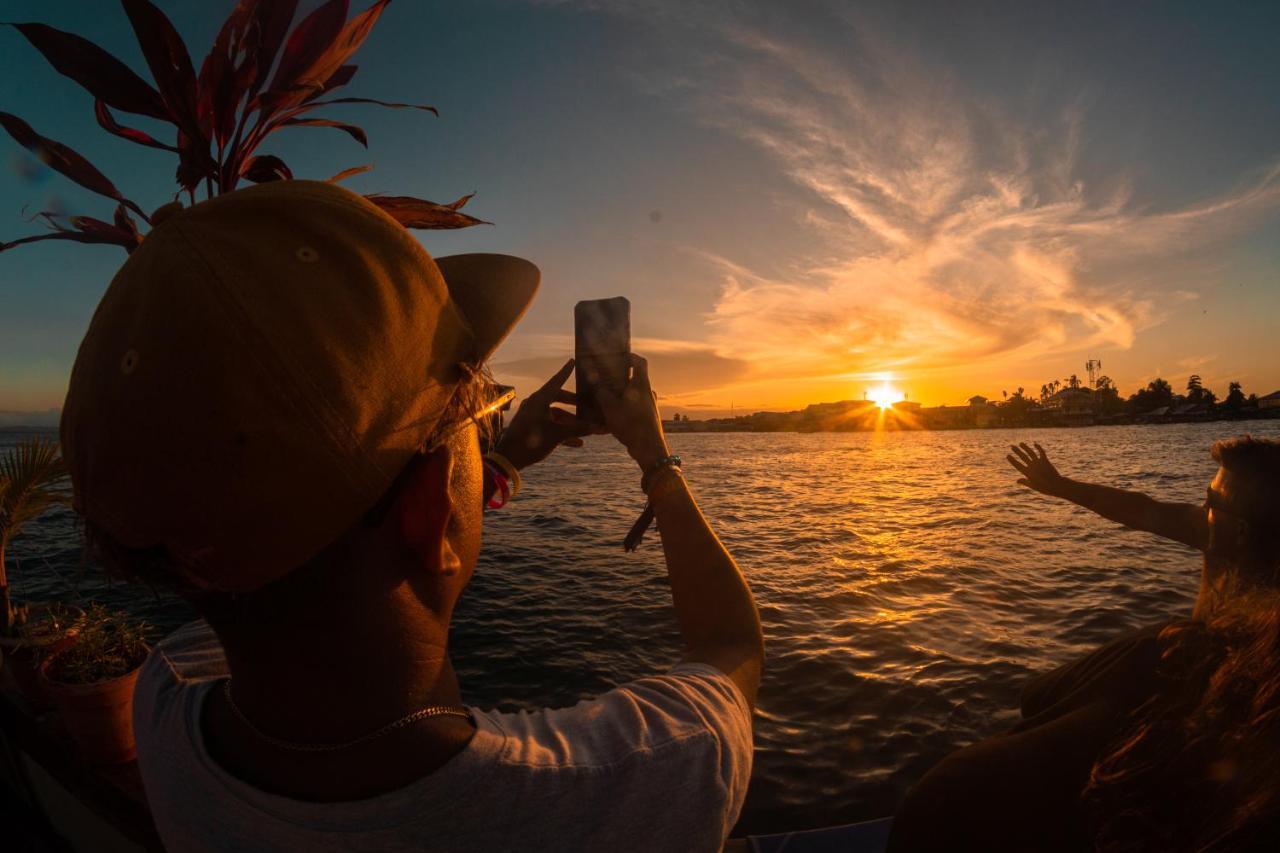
504, 486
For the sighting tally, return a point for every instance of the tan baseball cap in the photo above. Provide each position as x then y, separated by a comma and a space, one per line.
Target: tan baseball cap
261, 369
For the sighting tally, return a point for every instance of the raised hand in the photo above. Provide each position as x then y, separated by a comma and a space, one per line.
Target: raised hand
633, 418
539, 427
1037, 471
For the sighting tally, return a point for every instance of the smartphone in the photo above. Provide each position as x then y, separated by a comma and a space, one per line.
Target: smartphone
601, 351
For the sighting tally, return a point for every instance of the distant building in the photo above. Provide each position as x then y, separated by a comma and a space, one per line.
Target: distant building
1071, 407
985, 413
1271, 401
948, 417
837, 417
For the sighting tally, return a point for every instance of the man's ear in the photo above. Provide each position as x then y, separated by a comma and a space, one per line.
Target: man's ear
423, 509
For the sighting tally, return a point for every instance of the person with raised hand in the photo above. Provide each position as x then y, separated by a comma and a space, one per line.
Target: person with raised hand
1182, 522
1162, 739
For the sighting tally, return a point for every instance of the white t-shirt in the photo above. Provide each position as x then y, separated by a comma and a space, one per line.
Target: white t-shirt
659, 764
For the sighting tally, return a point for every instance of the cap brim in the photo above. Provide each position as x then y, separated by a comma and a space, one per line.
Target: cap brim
491, 292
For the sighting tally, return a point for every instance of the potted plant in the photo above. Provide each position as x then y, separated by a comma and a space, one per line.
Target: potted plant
32, 480
90, 679
36, 630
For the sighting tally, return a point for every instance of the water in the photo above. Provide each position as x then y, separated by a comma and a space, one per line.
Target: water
907, 585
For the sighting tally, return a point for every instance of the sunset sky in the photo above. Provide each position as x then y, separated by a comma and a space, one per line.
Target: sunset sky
799, 198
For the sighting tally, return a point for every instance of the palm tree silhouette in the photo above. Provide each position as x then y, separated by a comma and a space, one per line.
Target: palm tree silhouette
30, 477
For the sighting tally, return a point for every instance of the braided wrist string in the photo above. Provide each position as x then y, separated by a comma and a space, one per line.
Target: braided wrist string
661, 471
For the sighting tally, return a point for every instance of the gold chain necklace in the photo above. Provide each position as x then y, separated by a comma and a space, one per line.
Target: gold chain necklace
408, 719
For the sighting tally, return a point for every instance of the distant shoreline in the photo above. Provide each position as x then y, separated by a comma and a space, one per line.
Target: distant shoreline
892, 424
716, 426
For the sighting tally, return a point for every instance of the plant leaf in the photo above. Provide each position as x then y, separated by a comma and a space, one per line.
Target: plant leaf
50, 218
308, 42
264, 168
310, 78
330, 64
221, 83
104, 76
457, 205
126, 224
90, 225
86, 229
33, 472
167, 57
272, 19
60, 158
192, 166
170, 65
347, 173
420, 213
355, 132
75, 236
340, 78
391, 104
108, 123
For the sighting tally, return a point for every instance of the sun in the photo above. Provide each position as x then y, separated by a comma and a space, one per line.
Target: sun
884, 396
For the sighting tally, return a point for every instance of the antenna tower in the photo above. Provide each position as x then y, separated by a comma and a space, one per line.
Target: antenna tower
1093, 365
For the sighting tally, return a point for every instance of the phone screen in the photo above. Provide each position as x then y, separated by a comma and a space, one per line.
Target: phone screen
602, 350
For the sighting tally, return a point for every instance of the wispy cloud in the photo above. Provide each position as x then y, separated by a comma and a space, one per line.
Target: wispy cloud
949, 230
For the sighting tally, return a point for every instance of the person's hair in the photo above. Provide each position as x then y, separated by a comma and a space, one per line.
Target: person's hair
1256, 462
1254, 465
1195, 770
155, 567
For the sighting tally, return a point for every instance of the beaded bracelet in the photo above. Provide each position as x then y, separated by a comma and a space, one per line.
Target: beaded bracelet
636, 534
657, 468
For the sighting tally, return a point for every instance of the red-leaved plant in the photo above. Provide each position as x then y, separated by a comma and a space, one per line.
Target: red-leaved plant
220, 115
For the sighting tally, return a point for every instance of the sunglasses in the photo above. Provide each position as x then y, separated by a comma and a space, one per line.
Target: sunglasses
495, 406
1216, 502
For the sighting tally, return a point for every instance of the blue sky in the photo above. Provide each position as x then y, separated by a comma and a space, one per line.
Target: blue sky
799, 198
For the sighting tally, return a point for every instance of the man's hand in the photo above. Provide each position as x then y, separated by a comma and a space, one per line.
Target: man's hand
538, 427
1037, 471
633, 418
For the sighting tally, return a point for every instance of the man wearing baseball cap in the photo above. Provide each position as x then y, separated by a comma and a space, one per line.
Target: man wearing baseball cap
278, 409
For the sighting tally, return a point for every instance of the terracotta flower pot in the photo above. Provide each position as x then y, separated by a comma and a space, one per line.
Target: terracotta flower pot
22, 656
98, 716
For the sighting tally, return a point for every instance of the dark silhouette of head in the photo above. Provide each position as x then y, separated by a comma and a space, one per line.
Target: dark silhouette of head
422, 537
1243, 503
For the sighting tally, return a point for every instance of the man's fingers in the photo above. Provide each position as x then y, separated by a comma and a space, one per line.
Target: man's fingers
1043, 455
639, 371
1021, 466
563, 396
571, 423
572, 441
553, 384
1021, 454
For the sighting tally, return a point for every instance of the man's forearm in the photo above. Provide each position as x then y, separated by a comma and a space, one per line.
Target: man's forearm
1177, 521
716, 612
